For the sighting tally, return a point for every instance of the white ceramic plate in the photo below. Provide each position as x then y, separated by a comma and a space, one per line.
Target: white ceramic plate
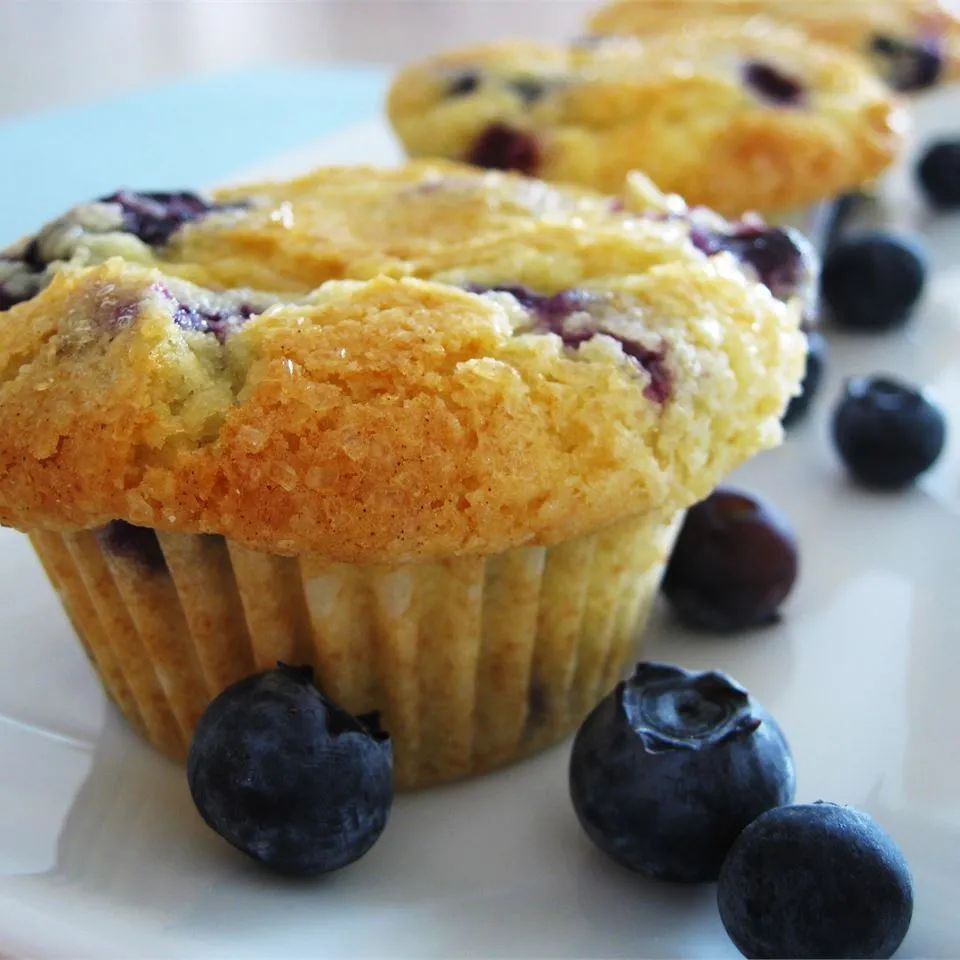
102, 854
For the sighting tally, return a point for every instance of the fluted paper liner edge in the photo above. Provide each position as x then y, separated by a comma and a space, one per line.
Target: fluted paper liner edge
471, 662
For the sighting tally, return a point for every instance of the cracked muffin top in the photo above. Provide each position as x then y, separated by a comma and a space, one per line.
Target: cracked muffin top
383, 365
912, 44
734, 116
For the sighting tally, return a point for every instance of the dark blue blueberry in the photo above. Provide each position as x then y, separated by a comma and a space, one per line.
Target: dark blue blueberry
908, 65
155, 217
887, 432
463, 84
816, 360
137, 544
289, 778
733, 565
873, 281
501, 147
815, 880
772, 84
671, 766
777, 254
939, 174
553, 311
528, 89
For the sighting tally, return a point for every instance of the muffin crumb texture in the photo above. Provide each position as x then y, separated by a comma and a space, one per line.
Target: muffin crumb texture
380, 366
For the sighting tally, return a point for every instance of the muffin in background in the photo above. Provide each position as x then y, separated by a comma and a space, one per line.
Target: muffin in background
912, 44
732, 116
429, 430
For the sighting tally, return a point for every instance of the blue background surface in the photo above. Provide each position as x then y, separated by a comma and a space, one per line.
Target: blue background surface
187, 134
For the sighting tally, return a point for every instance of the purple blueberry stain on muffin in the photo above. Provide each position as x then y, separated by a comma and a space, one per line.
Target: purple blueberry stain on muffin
908, 65
210, 313
577, 316
772, 84
136, 544
502, 147
207, 320
155, 217
780, 257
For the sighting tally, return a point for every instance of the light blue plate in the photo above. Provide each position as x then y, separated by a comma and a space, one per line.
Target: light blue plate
185, 134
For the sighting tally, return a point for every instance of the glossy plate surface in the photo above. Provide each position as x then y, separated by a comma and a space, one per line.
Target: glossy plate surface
102, 854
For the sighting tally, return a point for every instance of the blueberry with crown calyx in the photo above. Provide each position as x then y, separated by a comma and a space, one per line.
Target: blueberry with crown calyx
671, 766
815, 880
289, 778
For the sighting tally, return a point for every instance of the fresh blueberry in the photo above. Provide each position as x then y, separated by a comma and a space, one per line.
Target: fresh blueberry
733, 564
288, 777
464, 84
887, 432
939, 174
816, 360
907, 65
873, 281
772, 84
815, 880
501, 147
155, 217
671, 766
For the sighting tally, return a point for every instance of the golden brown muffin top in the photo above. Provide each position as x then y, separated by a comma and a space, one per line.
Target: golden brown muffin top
372, 365
736, 117
913, 44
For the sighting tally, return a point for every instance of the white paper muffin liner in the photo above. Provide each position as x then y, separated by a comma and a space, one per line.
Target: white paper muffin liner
471, 662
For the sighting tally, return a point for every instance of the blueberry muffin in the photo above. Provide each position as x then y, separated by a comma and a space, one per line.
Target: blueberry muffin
735, 118
913, 44
429, 430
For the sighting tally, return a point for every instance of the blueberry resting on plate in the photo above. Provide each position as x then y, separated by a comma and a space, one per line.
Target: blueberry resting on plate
939, 174
733, 565
816, 360
815, 880
288, 777
873, 281
671, 766
887, 432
